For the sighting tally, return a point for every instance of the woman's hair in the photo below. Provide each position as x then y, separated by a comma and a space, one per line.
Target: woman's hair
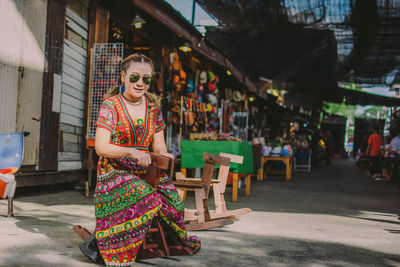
155, 100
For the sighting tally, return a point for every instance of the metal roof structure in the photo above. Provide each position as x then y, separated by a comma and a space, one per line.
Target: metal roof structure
310, 43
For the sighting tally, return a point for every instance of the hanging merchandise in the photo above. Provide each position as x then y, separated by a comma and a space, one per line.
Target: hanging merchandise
178, 75
240, 124
175, 108
190, 87
200, 92
211, 76
237, 96
190, 114
228, 94
212, 99
201, 87
203, 77
212, 88
212, 84
213, 125
182, 75
175, 71
227, 111
215, 82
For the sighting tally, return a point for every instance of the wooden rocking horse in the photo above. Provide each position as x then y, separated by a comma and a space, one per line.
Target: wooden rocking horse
155, 244
202, 219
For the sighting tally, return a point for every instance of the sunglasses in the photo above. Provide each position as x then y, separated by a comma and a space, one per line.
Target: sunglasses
136, 77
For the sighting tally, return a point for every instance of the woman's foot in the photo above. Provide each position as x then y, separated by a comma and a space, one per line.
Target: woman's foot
89, 249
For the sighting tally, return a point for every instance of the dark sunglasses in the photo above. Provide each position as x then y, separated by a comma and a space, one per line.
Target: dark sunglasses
136, 77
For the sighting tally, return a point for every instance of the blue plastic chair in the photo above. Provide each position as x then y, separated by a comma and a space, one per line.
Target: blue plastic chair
305, 166
11, 156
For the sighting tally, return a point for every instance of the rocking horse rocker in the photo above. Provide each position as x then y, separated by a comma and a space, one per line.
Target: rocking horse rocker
155, 244
202, 218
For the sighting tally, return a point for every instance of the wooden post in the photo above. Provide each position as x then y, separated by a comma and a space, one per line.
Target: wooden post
235, 187
90, 158
89, 142
217, 198
248, 184
199, 196
88, 183
184, 172
180, 123
87, 189
289, 169
53, 53
262, 168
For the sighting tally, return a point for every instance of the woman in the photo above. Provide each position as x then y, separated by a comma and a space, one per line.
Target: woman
128, 122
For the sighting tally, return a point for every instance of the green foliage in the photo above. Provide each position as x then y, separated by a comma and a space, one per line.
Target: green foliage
338, 109
353, 86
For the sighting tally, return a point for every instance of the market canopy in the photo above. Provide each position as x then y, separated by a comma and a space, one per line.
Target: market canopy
303, 57
361, 98
342, 40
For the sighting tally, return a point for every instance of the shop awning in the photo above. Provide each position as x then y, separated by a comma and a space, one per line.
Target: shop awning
362, 98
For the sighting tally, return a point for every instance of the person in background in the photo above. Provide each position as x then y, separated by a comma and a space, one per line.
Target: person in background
375, 142
391, 161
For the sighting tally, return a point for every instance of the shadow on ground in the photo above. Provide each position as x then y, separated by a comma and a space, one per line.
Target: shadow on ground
226, 249
337, 189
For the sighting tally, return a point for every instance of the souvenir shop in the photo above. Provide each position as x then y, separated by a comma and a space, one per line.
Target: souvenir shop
201, 95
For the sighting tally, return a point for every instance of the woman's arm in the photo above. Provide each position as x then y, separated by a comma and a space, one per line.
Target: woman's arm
159, 145
105, 149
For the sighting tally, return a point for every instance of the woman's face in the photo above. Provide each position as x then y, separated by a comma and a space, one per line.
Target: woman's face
134, 87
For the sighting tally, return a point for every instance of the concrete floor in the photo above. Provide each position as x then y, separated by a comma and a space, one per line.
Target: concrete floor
335, 216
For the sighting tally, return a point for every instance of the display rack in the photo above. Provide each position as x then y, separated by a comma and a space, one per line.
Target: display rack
105, 69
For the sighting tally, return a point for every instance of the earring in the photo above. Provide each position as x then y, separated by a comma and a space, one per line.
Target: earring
122, 89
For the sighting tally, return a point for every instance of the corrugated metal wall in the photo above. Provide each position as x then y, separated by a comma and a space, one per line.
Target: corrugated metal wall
73, 92
22, 37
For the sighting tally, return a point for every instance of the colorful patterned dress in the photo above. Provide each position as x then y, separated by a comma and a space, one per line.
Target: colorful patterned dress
124, 203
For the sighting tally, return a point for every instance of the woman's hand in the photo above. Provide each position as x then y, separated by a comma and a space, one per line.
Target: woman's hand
168, 155
143, 158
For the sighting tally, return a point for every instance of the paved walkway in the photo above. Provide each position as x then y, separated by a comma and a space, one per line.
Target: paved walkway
334, 216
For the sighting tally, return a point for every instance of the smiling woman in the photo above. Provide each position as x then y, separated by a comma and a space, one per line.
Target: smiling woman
129, 121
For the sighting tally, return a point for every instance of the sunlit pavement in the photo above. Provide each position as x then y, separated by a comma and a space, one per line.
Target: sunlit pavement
335, 216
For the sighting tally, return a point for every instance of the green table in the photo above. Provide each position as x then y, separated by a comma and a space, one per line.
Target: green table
192, 157
192, 153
